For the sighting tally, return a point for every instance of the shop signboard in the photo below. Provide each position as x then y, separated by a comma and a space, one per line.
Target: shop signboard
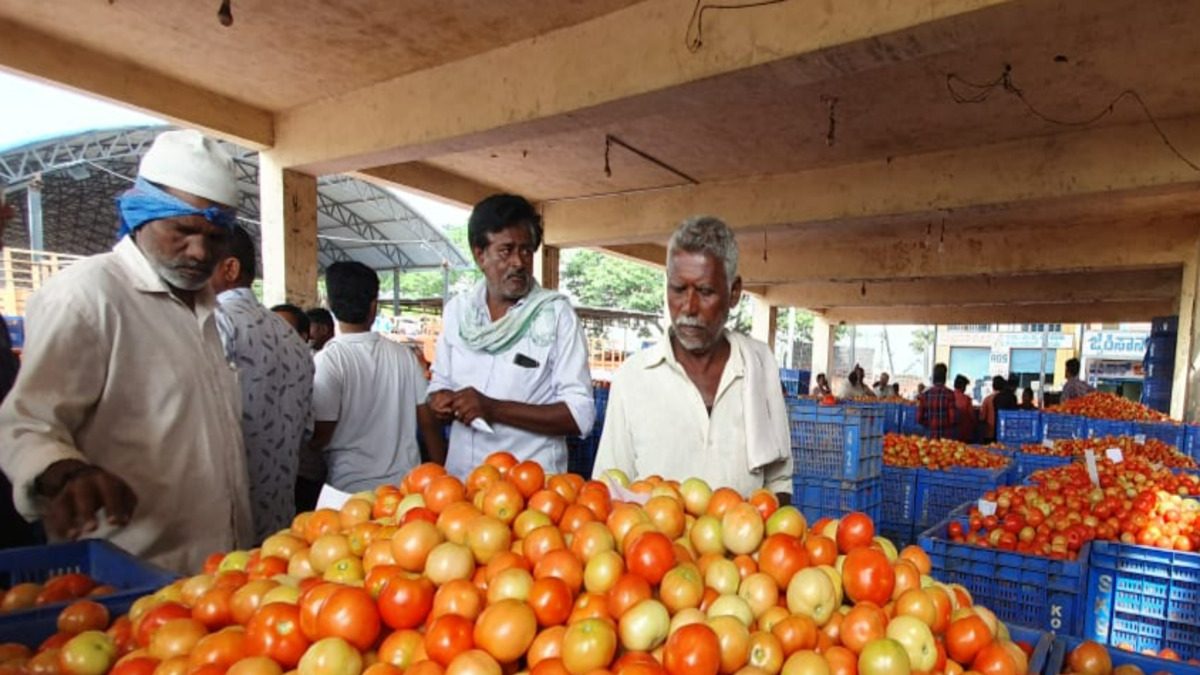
1115, 345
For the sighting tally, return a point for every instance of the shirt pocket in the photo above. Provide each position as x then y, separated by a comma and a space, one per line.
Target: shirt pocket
526, 373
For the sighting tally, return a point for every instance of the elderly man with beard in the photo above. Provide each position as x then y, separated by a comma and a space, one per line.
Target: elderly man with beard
124, 422
511, 369
705, 401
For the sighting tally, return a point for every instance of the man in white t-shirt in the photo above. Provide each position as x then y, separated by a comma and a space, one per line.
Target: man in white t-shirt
368, 393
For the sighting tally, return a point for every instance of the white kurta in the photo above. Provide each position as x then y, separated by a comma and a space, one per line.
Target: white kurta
120, 373
657, 424
554, 370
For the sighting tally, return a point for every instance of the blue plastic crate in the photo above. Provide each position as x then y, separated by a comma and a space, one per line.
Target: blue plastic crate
1156, 389
790, 378
1042, 642
581, 455
16, 331
1063, 644
899, 505
1167, 432
1019, 426
1160, 372
1146, 597
1055, 425
940, 492
1160, 348
100, 560
1164, 325
1024, 589
829, 498
1191, 440
1027, 463
843, 442
1095, 428
908, 420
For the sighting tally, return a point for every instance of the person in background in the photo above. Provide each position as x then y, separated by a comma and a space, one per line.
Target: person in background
1006, 397
275, 371
1027, 400
720, 389
882, 388
15, 531
369, 392
896, 390
964, 409
920, 390
853, 388
936, 406
987, 409
125, 404
511, 354
295, 317
822, 386
1074, 387
320, 327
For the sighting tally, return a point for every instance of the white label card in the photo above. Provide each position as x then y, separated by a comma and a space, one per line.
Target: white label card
1114, 455
987, 508
1093, 473
1048, 443
1140, 439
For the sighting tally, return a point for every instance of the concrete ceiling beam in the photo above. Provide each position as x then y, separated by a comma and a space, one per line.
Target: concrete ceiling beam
1095, 312
430, 180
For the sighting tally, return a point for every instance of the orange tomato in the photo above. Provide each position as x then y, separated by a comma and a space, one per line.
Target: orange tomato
821, 549
551, 600
503, 461
443, 491
505, 630
528, 476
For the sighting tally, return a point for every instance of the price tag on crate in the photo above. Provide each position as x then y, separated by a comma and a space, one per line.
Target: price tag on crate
1140, 439
1048, 443
1114, 455
1093, 473
987, 508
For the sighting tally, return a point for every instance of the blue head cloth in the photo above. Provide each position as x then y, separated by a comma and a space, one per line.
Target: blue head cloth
145, 202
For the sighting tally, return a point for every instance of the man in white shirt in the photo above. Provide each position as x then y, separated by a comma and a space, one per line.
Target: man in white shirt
511, 353
275, 370
125, 402
704, 402
369, 392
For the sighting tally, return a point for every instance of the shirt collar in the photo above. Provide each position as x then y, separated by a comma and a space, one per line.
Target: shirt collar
234, 294
661, 352
479, 300
144, 278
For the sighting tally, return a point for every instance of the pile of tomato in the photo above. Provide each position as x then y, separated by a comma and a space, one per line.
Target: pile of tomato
1102, 405
1151, 449
1135, 503
937, 454
58, 588
515, 571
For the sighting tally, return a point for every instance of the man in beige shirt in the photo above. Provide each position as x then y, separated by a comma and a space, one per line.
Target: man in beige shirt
704, 402
124, 422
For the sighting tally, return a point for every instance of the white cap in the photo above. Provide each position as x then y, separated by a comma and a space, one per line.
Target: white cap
188, 160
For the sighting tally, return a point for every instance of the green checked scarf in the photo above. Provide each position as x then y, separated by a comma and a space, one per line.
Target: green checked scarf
496, 337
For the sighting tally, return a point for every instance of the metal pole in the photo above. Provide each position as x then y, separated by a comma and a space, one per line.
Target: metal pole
445, 282
33, 195
1042, 372
395, 292
791, 345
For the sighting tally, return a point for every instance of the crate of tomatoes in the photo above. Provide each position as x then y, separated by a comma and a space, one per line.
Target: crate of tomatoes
1075, 655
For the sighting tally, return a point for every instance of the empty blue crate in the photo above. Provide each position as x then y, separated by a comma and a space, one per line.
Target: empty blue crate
830, 498
1024, 589
1065, 644
1145, 597
940, 492
843, 442
1167, 432
1101, 428
100, 560
1019, 426
899, 504
1160, 348
1027, 463
1055, 425
1164, 325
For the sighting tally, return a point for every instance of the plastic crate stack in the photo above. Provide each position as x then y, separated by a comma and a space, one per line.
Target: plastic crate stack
837, 456
1159, 363
1063, 645
100, 560
1024, 589
897, 521
581, 452
795, 382
1146, 598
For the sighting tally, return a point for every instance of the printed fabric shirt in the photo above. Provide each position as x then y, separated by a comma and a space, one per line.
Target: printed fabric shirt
120, 373
935, 411
557, 350
1074, 388
275, 372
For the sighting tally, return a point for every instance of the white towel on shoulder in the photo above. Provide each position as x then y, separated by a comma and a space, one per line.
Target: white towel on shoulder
768, 432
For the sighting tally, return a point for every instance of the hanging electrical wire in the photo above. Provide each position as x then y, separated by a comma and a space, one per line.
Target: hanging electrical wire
696, 23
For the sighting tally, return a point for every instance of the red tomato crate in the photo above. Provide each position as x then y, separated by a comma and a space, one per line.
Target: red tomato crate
100, 560
1064, 644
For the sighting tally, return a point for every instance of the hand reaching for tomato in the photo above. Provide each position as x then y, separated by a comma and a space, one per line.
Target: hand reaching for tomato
75, 491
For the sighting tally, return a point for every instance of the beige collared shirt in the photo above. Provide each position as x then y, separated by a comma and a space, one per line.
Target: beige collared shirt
120, 373
657, 424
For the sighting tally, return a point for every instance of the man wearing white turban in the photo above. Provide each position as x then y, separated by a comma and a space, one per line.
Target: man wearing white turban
124, 422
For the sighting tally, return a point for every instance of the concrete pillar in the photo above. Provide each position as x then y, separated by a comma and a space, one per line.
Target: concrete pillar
763, 321
823, 333
1185, 387
545, 266
33, 194
288, 204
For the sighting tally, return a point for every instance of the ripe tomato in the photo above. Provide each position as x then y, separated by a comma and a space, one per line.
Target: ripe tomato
528, 476
223, 649
447, 637
590, 644
629, 590
561, 564
966, 637
506, 629
692, 650
349, 613
1089, 658
821, 549
83, 615
405, 602
551, 600
403, 649
855, 530
650, 556
139, 665
781, 556
458, 596
862, 624
796, 632
214, 609
867, 575
274, 632
155, 618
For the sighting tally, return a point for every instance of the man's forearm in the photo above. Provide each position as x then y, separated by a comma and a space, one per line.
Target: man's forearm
554, 419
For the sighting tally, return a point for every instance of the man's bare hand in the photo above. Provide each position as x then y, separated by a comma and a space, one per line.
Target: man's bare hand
469, 404
441, 403
75, 491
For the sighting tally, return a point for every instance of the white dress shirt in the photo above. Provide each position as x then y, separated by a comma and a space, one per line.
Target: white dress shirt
275, 371
371, 387
555, 343
657, 424
120, 373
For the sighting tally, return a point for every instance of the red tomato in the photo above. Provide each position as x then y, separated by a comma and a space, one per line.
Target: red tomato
550, 598
855, 530
156, 617
350, 614
650, 556
223, 649
867, 575
214, 608
140, 665
966, 637
405, 602
274, 632
83, 615
449, 636
692, 650
781, 556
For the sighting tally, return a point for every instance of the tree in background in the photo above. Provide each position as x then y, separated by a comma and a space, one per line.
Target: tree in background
922, 340
600, 280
